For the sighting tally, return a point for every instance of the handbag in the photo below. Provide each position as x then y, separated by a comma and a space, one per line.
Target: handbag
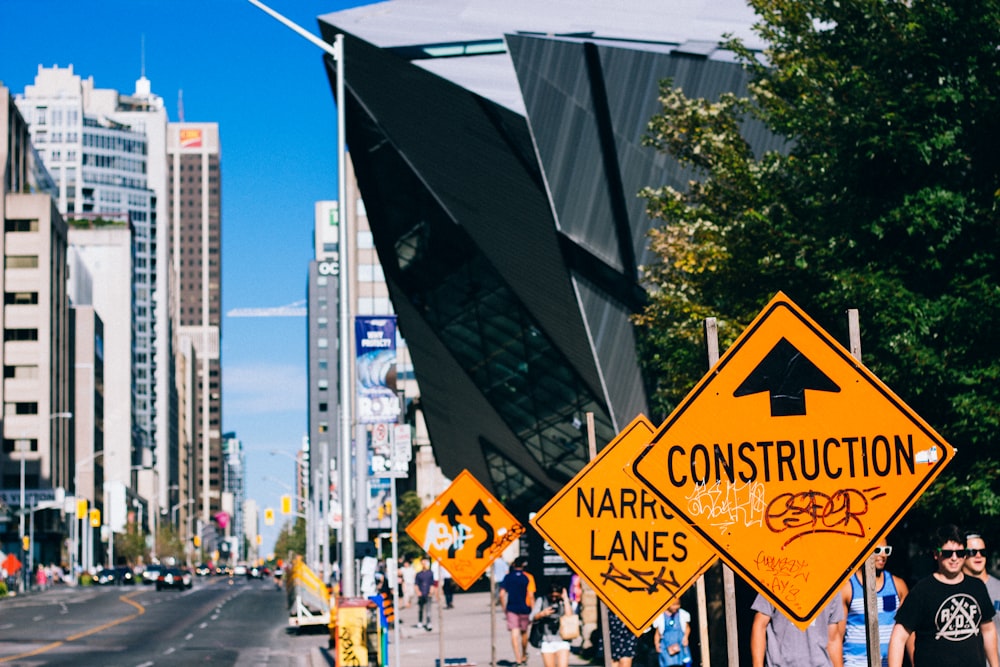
569, 626
535, 634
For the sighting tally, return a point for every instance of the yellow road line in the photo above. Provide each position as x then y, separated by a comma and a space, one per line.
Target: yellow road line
48, 647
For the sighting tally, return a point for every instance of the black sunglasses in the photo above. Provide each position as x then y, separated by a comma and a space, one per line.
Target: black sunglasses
952, 553
976, 552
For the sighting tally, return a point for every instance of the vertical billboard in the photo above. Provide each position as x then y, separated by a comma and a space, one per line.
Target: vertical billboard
375, 338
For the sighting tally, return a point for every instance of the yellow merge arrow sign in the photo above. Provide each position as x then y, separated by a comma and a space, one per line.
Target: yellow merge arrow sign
792, 460
620, 538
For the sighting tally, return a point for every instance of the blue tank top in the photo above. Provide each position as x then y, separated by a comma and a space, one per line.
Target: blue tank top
887, 599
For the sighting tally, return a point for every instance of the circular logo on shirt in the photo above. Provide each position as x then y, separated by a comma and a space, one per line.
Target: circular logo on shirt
958, 618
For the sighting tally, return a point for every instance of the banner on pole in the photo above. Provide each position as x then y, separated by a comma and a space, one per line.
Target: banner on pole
375, 338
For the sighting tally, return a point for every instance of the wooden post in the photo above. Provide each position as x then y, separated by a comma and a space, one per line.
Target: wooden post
868, 575
602, 608
728, 579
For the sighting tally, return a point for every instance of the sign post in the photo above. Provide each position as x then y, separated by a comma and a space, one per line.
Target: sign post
791, 459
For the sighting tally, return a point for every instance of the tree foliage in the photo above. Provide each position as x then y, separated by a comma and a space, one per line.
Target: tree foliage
291, 539
886, 200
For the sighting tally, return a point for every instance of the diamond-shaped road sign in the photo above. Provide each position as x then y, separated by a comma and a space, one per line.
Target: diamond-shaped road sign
792, 460
465, 529
615, 534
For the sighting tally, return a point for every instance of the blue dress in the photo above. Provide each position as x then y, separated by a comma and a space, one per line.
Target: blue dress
673, 633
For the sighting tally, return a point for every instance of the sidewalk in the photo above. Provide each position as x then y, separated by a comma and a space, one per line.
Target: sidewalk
462, 632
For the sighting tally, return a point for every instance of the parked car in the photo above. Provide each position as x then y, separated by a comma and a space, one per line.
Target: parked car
202, 570
240, 570
151, 574
173, 577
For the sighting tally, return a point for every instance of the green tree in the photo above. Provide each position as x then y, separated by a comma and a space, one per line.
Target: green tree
130, 546
409, 507
886, 200
292, 538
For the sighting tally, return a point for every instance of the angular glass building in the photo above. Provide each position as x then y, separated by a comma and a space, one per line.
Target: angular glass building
498, 152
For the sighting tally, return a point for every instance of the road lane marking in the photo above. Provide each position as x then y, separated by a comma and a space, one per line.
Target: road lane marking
169, 651
189, 636
85, 633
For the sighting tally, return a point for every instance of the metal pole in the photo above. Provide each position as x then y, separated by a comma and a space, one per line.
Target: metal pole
24, 556
336, 51
395, 560
347, 549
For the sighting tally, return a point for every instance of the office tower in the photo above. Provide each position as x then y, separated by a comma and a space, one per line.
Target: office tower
36, 457
195, 187
234, 492
102, 149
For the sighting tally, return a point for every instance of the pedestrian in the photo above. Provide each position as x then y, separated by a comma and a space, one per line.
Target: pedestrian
500, 569
672, 636
517, 594
622, 641
426, 587
409, 575
976, 557
949, 611
547, 610
776, 641
890, 590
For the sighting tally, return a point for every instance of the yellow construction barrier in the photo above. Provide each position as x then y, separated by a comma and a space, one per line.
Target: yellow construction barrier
308, 597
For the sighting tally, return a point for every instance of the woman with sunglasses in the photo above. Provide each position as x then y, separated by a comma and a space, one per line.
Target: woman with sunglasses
889, 593
950, 614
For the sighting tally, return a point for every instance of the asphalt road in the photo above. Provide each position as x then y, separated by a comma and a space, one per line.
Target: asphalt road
220, 621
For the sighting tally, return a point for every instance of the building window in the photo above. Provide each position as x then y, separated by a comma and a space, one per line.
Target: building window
21, 444
22, 408
322, 407
21, 261
21, 372
322, 343
21, 225
323, 384
20, 298
20, 334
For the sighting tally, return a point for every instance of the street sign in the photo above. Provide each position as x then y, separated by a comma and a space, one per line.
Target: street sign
632, 550
465, 529
792, 460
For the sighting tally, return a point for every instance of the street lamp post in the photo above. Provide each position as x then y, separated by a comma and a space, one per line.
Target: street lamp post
336, 51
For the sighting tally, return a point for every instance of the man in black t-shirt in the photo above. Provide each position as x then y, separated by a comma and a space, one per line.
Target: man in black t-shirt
951, 614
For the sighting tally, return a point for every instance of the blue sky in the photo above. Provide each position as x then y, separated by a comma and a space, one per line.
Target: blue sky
267, 89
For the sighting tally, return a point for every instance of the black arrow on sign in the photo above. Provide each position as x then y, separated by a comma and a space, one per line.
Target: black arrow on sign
786, 373
480, 512
451, 511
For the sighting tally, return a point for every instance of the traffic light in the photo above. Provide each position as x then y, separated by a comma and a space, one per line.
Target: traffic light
286, 504
269, 517
95, 518
25, 543
81, 508
197, 541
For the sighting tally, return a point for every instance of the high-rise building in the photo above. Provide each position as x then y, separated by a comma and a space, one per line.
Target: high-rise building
234, 493
195, 194
106, 152
37, 455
